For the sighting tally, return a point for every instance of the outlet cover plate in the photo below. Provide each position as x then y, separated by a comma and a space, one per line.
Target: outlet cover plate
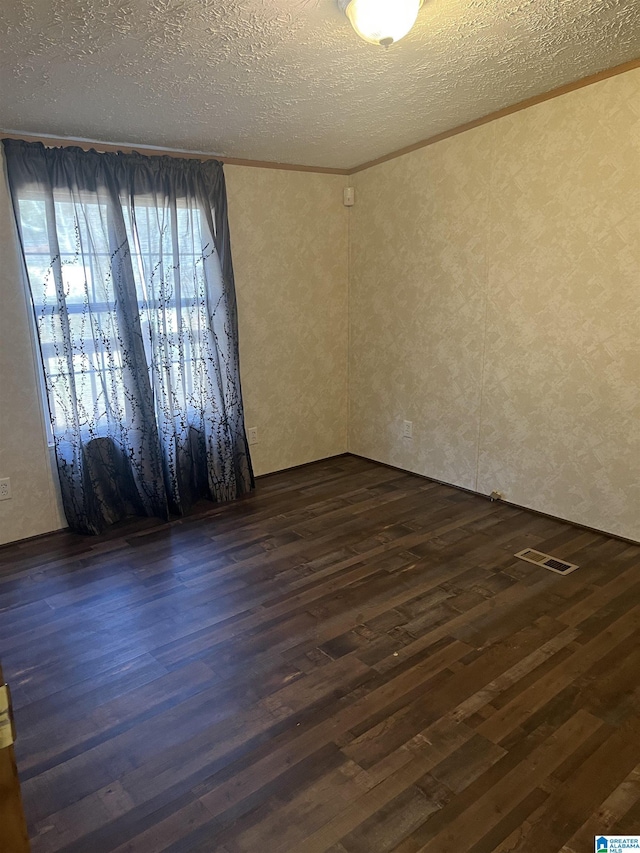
5, 489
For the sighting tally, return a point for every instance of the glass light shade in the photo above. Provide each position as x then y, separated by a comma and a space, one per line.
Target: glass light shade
382, 21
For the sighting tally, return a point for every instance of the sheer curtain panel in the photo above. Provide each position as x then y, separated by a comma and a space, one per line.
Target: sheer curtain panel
129, 266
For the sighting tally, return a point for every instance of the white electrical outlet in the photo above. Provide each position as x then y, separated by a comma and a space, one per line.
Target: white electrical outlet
252, 435
407, 429
5, 489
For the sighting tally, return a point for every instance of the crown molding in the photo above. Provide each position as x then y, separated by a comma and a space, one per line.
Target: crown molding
506, 111
151, 150
156, 151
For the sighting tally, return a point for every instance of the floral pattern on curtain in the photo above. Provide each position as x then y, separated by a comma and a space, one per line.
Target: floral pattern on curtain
129, 266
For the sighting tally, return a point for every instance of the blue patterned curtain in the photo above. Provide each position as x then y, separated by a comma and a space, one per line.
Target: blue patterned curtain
129, 266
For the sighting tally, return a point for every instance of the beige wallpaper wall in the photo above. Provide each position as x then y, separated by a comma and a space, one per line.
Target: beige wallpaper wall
495, 303
418, 267
289, 242
24, 455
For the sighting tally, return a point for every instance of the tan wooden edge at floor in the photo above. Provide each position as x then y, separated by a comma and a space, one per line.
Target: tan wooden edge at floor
13, 829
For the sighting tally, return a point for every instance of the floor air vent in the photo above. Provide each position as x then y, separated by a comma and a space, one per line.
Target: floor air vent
561, 567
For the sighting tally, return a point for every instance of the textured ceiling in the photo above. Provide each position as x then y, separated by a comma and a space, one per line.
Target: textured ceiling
288, 80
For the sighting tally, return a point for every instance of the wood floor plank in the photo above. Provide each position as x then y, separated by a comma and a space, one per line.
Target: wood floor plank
350, 660
608, 814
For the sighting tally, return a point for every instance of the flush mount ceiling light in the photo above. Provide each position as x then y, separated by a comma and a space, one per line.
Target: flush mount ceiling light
381, 21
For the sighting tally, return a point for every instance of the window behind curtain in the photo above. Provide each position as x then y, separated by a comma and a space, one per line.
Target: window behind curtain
164, 253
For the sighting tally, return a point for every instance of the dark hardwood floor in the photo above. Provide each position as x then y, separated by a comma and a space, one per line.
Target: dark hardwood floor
349, 661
